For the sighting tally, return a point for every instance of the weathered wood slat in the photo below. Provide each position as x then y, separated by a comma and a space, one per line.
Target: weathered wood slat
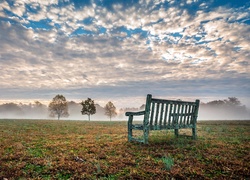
181, 113
157, 114
165, 101
189, 112
161, 114
135, 113
169, 116
174, 115
178, 111
164, 114
152, 114
137, 126
186, 114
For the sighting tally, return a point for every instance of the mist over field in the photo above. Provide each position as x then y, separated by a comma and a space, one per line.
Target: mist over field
223, 114
207, 111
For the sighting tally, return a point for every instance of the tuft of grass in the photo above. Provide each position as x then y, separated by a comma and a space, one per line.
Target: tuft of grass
168, 162
63, 175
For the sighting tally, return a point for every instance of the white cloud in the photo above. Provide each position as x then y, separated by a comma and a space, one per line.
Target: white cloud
204, 46
4, 5
18, 8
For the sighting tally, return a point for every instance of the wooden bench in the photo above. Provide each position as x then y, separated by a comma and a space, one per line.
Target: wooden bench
162, 114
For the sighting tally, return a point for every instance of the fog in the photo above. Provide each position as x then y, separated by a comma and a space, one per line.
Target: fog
215, 110
223, 113
40, 111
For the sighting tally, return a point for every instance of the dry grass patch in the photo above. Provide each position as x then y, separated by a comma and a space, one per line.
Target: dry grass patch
43, 149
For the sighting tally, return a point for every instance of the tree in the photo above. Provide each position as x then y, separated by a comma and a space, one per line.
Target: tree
58, 107
216, 103
88, 107
11, 109
233, 101
110, 110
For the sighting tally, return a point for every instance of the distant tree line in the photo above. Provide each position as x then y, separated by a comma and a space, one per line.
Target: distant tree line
13, 110
230, 108
59, 107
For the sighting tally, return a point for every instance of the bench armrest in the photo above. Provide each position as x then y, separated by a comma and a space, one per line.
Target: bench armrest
135, 113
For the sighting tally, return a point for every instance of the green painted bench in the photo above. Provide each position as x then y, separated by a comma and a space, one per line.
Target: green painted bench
162, 114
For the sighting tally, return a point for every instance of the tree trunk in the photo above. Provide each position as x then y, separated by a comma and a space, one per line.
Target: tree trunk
89, 117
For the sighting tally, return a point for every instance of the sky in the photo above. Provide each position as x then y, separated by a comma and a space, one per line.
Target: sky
122, 50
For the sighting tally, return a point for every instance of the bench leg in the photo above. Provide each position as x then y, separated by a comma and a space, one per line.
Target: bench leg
145, 135
194, 133
176, 132
130, 134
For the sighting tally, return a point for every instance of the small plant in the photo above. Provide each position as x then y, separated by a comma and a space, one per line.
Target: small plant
98, 167
168, 162
63, 175
208, 129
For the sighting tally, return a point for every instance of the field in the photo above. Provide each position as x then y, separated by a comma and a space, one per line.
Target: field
48, 149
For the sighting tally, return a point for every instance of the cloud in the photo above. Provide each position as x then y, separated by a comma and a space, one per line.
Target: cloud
129, 49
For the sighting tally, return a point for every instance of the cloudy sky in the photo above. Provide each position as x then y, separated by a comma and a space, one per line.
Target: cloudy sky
121, 50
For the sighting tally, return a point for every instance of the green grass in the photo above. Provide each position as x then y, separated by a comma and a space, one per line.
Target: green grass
168, 162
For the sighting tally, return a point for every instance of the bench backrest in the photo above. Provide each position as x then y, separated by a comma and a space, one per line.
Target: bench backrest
170, 114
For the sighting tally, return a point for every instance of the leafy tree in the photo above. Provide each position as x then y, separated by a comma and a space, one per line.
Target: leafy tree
233, 101
38, 104
58, 107
216, 103
110, 110
88, 107
37, 109
11, 108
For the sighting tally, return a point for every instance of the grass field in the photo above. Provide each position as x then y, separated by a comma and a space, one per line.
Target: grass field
46, 149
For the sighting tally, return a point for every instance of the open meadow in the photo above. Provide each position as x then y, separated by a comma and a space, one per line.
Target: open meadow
50, 149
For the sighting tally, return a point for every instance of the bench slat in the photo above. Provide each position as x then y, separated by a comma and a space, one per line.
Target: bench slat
169, 116
166, 115
152, 114
170, 127
162, 112
156, 115
178, 111
165, 101
190, 112
181, 113
174, 117
185, 115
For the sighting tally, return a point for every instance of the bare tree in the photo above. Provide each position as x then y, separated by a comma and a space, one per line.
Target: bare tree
58, 107
110, 110
88, 107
